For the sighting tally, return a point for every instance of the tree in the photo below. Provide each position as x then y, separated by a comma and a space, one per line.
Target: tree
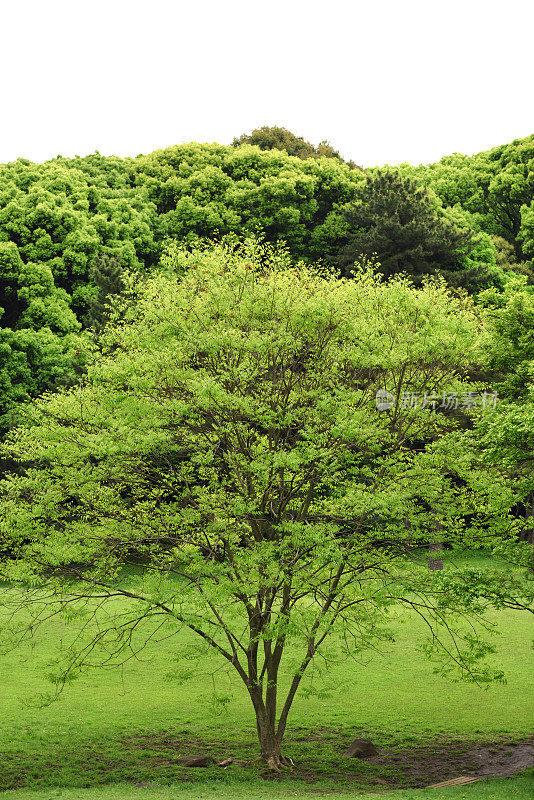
526, 236
496, 186
504, 437
277, 138
108, 276
228, 468
506, 259
394, 221
33, 362
509, 341
54, 219
510, 187
211, 191
39, 333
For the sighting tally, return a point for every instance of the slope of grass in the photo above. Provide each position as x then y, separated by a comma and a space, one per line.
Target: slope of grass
395, 691
130, 724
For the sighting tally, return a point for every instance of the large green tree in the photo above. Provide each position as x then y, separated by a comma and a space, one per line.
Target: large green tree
239, 463
208, 191
394, 221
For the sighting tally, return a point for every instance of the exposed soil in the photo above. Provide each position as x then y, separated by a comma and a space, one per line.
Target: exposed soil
434, 761
443, 760
159, 758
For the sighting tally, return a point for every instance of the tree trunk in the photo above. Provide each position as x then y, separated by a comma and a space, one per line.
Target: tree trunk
528, 532
433, 562
435, 547
270, 743
270, 748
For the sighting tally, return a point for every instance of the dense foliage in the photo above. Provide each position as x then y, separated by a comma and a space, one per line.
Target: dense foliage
61, 221
57, 218
277, 138
231, 439
496, 188
504, 437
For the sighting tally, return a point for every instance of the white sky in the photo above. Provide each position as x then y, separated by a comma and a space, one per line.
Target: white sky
384, 82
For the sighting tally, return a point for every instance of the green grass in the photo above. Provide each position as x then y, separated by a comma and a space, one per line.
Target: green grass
113, 726
394, 692
504, 789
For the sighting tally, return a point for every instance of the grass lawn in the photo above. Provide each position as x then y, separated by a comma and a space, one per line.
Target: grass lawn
113, 729
502, 789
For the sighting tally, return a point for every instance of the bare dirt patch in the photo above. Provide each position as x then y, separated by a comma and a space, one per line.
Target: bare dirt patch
318, 757
443, 760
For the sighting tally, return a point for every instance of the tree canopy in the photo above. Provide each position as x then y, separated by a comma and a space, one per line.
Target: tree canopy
277, 138
496, 187
59, 219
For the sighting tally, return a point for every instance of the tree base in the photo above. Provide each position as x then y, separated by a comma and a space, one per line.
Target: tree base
276, 762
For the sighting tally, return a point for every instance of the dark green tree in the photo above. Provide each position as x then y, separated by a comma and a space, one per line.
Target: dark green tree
277, 138
108, 276
394, 222
509, 188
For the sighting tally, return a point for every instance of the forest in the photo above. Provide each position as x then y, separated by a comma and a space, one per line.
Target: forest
257, 397
70, 228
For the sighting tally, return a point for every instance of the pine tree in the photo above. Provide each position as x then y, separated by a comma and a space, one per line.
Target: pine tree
394, 223
107, 274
